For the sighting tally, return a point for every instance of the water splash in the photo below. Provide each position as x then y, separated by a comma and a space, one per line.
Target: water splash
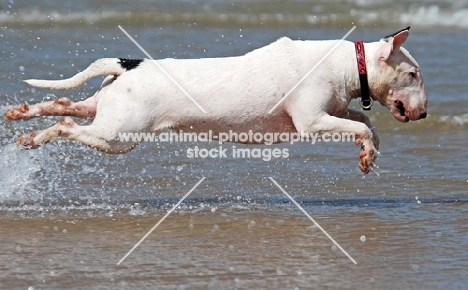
16, 173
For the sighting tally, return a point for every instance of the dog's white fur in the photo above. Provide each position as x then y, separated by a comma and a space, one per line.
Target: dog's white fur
237, 93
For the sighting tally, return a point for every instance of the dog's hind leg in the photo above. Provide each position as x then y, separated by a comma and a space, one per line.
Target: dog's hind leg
97, 138
60, 107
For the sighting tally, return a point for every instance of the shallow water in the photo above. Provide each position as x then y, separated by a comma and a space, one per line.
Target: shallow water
249, 247
69, 213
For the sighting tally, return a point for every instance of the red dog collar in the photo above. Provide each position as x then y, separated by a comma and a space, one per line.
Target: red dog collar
366, 100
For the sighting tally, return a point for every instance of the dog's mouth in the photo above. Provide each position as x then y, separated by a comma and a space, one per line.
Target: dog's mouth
400, 112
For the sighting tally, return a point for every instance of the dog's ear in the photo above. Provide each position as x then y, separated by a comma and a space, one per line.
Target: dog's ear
393, 42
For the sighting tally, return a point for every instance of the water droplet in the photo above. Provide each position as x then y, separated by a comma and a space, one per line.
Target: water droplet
278, 271
21, 68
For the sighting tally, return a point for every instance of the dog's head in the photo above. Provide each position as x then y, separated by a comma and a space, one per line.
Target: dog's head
399, 82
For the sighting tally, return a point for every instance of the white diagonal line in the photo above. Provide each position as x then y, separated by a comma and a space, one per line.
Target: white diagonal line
163, 70
311, 70
164, 217
284, 191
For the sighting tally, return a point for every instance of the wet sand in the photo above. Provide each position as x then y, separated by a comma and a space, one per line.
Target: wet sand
261, 247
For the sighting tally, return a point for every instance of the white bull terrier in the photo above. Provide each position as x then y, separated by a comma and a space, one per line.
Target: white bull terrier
237, 94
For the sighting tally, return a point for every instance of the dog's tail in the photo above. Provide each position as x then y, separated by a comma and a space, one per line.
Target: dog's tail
101, 67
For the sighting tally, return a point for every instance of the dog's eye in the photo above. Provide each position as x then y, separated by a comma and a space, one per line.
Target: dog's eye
413, 74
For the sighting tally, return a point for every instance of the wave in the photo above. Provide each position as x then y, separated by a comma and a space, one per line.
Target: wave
458, 121
434, 122
424, 17
142, 208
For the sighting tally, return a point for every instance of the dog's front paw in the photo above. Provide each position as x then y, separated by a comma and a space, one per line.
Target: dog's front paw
27, 142
17, 113
367, 156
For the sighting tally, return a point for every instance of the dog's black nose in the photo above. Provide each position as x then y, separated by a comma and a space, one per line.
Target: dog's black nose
423, 115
